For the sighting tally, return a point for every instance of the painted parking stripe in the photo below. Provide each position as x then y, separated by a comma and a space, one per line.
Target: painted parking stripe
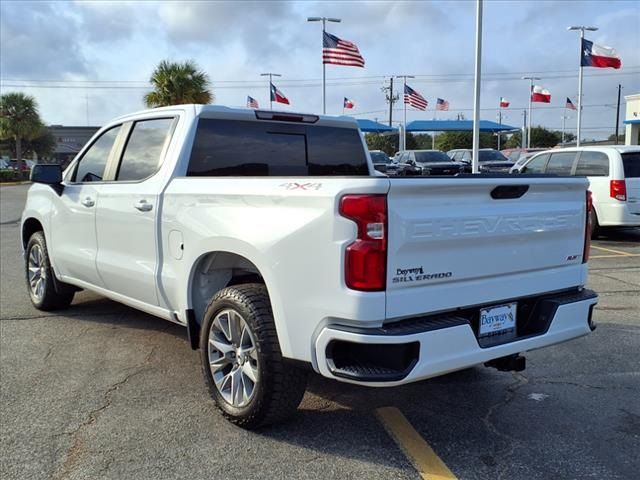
619, 252
417, 450
614, 256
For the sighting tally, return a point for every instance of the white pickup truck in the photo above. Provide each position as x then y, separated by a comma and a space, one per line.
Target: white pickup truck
271, 239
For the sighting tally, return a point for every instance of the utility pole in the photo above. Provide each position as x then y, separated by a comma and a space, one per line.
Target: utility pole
524, 139
618, 113
391, 99
324, 21
582, 28
531, 79
270, 75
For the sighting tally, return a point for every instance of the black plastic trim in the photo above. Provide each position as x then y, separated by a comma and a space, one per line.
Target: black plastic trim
502, 192
538, 308
193, 329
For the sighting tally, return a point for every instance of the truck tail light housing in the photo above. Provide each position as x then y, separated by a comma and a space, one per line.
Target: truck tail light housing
618, 190
587, 229
366, 258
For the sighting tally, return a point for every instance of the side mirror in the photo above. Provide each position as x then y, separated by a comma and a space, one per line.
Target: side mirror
48, 174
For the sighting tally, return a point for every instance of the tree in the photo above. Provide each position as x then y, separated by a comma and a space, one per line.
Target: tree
176, 83
42, 144
389, 143
540, 138
451, 140
19, 120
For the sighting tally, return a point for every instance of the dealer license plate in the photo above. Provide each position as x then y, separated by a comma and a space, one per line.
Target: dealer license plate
497, 320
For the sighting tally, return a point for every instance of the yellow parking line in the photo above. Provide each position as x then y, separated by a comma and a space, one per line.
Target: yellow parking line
614, 256
619, 252
417, 450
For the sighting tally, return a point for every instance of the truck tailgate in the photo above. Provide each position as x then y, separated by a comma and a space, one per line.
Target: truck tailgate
452, 244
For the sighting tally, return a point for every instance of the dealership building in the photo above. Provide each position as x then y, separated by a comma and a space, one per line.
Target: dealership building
70, 140
632, 120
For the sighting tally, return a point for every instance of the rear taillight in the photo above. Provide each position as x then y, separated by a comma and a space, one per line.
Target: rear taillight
366, 258
618, 190
587, 230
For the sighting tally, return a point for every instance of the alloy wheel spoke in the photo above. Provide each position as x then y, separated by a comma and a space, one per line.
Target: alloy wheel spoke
220, 345
236, 327
219, 363
250, 372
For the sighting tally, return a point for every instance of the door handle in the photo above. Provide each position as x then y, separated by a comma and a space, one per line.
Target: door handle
88, 202
143, 206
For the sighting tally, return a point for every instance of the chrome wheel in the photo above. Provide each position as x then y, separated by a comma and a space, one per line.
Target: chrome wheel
37, 272
233, 358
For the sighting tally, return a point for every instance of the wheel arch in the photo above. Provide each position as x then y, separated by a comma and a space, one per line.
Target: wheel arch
30, 226
214, 270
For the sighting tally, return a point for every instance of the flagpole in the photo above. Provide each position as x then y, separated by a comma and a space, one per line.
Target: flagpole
564, 117
404, 128
499, 123
582, 28
580, 91
476, 90
324, 21
531, 79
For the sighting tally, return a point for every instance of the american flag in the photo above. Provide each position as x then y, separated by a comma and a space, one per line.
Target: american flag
340, 52
414, 99
442, 104
570, 104
252, 102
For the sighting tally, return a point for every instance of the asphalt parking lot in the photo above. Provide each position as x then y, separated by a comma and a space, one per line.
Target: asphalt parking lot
104, 391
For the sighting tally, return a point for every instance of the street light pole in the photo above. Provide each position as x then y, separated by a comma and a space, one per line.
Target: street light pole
476, 90
324, 21
531, 79
582, 29
618, 114
404, 129
270, 83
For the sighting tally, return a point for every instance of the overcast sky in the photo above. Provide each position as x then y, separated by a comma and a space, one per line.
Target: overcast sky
64, 44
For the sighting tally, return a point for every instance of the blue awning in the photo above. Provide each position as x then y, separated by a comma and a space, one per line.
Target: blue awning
633, 121
367, 125
457, 126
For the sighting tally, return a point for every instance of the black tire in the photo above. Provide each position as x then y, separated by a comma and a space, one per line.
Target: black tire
280, 385
55, 295
596, 229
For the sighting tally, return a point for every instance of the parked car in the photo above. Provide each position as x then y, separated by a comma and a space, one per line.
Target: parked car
4, 164
614, 179
489, 160
268, 237
519, 154
430, 162
382, 162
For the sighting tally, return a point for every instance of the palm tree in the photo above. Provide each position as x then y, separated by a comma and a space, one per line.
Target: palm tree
19, 120
176, 83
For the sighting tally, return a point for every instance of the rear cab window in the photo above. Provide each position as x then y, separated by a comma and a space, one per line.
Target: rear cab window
249, 148
631, 164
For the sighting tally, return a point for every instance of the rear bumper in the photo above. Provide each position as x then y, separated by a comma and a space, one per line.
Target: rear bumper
618, 215
436, 345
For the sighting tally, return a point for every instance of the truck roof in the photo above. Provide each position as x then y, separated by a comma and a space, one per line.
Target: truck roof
249, 114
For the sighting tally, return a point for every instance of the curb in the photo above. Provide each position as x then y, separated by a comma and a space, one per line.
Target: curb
12, 184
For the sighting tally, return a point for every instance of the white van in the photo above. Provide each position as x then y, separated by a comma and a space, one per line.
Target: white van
614, 177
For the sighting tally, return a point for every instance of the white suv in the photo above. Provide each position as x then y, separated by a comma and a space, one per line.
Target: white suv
614, 177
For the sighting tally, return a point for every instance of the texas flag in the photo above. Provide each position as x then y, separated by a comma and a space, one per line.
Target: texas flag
598, 56
504, 103
539, 94
348, 103
278, 96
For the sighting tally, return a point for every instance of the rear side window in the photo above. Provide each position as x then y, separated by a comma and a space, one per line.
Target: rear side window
94, 161
560, 163
537, 164
244, 148
593, 164
631, 163
141, 156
